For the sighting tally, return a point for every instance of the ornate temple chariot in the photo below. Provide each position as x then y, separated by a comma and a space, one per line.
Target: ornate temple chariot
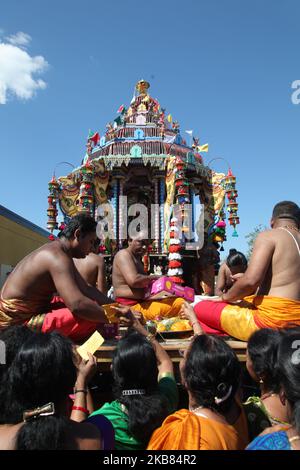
144, 157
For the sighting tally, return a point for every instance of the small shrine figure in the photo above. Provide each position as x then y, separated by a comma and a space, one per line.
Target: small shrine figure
157, 270
162, 131
195, 143
142, 87
175, 126
89, 147
109, 130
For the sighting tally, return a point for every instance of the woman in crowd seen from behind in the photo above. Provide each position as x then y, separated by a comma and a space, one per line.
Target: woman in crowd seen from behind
210, 372
12, 338
262, 365
285, 437
34, 398
234, 267
144, 388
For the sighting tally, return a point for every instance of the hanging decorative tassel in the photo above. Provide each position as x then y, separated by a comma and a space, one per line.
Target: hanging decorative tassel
232, 194
222, 248
86, 194
52, 204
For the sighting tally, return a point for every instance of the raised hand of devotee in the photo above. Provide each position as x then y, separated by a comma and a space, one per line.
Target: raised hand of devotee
83, 403
138, 316
86, 369
187, 312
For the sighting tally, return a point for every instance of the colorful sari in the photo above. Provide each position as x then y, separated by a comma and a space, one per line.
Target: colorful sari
185, 430
258, 417
117, 414
274, 441
106, 430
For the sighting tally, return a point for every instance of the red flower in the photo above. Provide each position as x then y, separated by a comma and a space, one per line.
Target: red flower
174, 264
51, 237
176, 279
174, 248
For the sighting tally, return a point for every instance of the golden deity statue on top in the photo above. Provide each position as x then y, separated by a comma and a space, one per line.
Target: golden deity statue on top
142, 87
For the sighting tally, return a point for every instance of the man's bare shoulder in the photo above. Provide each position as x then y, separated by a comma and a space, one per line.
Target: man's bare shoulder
273, 236
95, 259
223, 267
122, 254
53, 253
54, 247
266, 235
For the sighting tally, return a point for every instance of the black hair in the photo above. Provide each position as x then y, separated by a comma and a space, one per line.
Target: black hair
211, 371
236, 258
42, 371
289, 369
84, 222
135, 367
287, 210
263, 350
12, 339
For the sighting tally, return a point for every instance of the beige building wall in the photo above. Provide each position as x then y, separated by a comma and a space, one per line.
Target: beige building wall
17, 241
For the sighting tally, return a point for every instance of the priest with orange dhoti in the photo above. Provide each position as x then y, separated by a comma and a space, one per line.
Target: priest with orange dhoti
268, 294
130, 282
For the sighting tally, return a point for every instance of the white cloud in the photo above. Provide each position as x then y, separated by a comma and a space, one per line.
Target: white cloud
19, 39
17, 68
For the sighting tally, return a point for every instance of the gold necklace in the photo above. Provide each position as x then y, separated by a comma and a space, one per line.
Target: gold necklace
203, 414
194, 410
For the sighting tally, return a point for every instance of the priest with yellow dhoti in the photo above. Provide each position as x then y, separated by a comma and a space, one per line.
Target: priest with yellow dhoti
130, 282
268, 294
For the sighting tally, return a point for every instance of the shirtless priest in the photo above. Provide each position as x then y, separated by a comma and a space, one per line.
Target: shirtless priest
130, 283
27, 295
268, 294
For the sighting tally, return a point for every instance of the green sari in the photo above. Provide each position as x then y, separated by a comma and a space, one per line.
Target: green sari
258, 417
117, 415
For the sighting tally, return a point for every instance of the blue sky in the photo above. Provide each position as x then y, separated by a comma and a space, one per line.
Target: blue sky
223, 68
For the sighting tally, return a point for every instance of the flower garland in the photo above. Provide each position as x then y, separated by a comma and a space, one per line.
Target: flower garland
232, 194
175, 271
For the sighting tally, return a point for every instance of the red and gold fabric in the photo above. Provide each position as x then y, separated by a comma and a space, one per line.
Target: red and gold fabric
56, 317
254, 312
